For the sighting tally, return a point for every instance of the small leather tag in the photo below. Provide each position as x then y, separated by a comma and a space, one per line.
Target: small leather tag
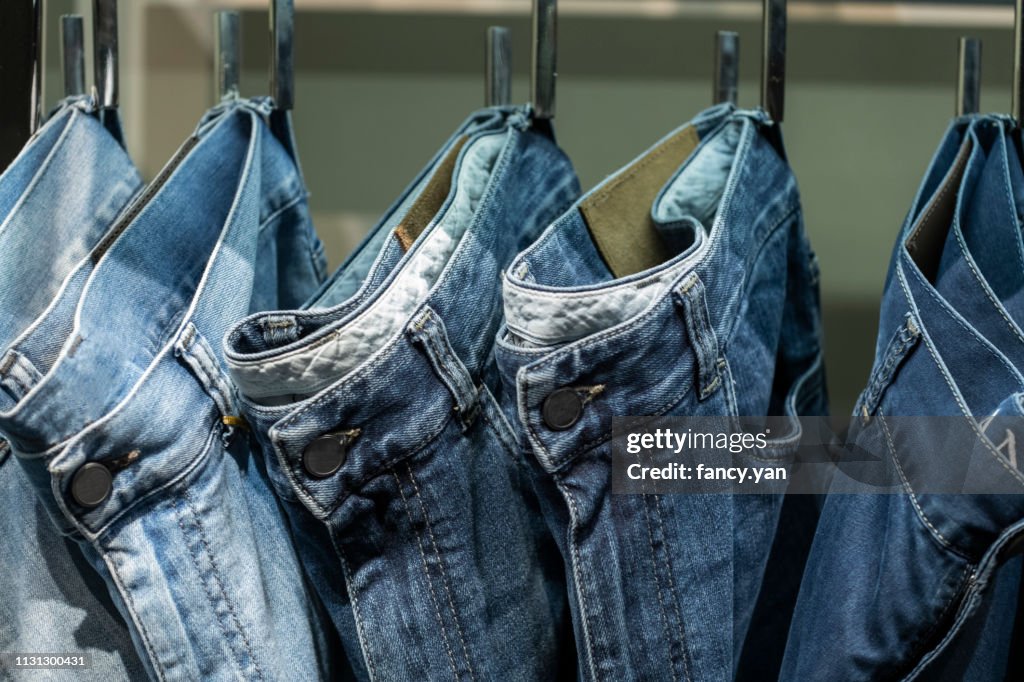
431, 199
928, 238
619, 216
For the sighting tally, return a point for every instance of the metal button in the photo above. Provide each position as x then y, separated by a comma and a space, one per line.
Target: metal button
324, 456
562, 409
92, 484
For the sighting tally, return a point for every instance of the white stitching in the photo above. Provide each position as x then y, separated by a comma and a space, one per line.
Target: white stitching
426, 571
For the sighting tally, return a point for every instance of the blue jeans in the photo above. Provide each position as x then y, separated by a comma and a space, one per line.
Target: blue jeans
380, 425
52, 601
123, 378
663, 586
916, 585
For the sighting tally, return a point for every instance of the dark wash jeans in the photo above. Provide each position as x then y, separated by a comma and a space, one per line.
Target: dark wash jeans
377, 416
664, 586
916, 585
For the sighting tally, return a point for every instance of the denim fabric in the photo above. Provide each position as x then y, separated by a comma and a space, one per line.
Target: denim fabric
52, 601
904, 584
125, 369
663, 587
425, 542
985, 221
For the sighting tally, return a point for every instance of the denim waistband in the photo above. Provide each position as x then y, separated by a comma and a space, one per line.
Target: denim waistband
982, 207
75, 158
206, 276
646, 340
435, 344
350, 276
312, 348
266, 337
143, 382
994, 212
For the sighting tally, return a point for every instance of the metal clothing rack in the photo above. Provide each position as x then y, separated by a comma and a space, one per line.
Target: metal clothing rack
20, 74
21, 51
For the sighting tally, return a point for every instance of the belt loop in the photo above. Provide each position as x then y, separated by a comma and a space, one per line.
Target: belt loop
691, 298
427, 330
199, 357
900, 345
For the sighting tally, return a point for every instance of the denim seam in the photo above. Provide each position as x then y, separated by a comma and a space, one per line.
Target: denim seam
430, 579
921, 649
919, 512
684, 655
628, 325
959, 321
678, 271
185, 502
976, 579
308, 236
669, 639
333, 381
578, 570
666, 628
113, 566
498, 424
982, 438
444, 576
559, 462
346, 571
798, 385
189, 470
380, 470
288, 203
1008, 195
40, 173
784, 217
16, 383
986, 289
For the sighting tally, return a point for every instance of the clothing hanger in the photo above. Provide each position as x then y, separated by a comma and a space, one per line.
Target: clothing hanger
20, 75
773, 77
227, 54
72, 45
968, 78
498, 67
727, 67
1018, 54
104, 32
282, 68
545, 51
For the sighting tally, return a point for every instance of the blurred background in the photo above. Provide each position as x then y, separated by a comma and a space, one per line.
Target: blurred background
380, 84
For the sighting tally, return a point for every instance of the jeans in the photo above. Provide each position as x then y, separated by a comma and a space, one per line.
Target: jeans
918, 585
381, 430
725, 323
120, 411
52, 601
